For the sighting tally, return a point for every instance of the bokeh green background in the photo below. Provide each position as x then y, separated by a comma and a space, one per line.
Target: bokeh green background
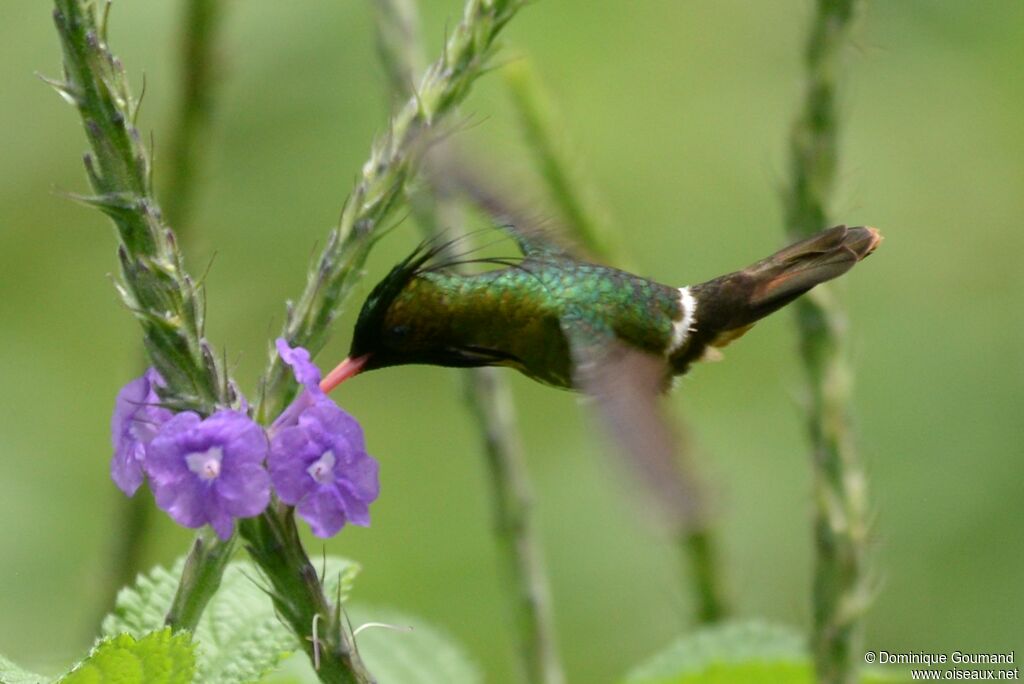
678, 113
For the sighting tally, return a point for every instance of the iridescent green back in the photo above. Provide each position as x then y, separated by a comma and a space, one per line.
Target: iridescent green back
520, 310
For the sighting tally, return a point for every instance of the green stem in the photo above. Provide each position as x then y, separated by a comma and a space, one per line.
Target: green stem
840, 594
199, 581
298, 595
156, 287
131, 518
698, 541
399, 45
198, 35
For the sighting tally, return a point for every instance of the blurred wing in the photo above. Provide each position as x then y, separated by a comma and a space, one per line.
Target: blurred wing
457, 174
625, 385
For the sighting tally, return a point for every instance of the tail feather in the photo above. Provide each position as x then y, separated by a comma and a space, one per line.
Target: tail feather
734, 302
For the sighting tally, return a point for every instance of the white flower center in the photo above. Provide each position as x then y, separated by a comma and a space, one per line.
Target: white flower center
205, 464
322, 469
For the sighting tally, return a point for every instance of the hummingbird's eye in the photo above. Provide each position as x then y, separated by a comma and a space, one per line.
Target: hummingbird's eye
399, 332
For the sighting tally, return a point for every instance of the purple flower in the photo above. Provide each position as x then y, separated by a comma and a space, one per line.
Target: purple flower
320, 466
318, 461
306, 372
209, 471
136, 420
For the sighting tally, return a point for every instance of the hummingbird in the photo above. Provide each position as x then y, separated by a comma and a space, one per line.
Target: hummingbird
559, 320
617, 337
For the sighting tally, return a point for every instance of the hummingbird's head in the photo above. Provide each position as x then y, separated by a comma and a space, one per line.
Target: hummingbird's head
403, 321
379, 339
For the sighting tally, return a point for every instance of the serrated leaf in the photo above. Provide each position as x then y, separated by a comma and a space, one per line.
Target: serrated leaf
239, 637
12, 674
157, 658
425, 655
141, 608
748, 652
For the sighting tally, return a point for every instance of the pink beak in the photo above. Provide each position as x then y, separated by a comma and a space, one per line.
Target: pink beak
345, 370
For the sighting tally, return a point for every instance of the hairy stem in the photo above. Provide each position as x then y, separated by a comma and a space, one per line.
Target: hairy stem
272, 540
155, 285
195, 99
840, 594
490, 402
381, 185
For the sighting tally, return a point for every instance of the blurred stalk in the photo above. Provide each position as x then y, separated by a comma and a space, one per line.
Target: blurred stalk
489, 400
699, 548
576, 204
570, 196
198, 35
131, 520
198, 70
399, 46
840, 594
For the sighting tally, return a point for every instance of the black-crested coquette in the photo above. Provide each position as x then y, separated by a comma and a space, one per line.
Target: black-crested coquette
558, 319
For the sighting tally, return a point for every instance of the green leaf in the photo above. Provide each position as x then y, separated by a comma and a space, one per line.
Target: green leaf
140, 609
425, 655
239, 638
12, 674
749, 652
157, 658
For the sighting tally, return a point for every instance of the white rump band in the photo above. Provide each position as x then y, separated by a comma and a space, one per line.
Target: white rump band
682, 328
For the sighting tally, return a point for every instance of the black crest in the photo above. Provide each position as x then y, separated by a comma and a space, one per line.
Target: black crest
370, 323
